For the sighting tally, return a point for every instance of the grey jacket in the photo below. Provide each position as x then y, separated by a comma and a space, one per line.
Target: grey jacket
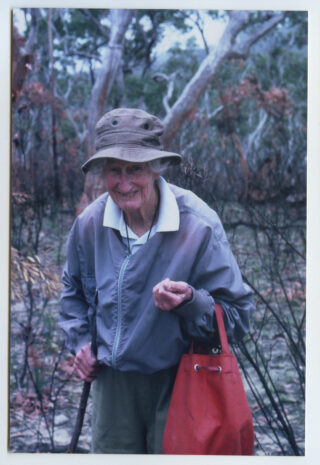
132, 334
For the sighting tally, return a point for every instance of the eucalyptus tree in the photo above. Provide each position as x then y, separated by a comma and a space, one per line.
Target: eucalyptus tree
238, 38
251, 118
235, 107
106, 58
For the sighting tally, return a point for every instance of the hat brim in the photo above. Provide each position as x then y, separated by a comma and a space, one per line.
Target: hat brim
130, 154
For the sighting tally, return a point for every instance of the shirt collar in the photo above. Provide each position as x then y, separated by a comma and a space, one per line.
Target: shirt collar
168, 218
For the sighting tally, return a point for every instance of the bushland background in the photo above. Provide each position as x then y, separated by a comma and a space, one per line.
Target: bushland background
234, 104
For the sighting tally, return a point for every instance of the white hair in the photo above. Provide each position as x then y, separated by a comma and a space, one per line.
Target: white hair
159, 165
97, 167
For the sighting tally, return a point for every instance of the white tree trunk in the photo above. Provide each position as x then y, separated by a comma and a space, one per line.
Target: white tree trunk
226, 48
120, 20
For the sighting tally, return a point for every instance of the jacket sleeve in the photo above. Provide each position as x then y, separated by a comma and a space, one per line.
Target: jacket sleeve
74, 319
217, 278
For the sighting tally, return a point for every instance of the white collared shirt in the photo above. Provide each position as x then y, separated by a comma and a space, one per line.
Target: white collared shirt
168, 218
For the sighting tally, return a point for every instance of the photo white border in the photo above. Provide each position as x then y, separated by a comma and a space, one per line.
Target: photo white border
313, 228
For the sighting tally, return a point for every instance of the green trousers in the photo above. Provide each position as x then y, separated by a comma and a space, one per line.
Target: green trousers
130, 410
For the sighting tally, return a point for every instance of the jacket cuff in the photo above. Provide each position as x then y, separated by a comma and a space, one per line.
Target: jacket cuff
81, 342
201, 303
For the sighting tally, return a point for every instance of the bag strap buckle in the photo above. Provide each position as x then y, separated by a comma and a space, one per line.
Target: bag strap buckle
216, 369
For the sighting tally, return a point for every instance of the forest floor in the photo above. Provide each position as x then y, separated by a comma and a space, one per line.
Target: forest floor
45, 392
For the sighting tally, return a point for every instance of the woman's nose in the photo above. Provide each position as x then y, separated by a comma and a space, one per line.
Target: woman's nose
125, 183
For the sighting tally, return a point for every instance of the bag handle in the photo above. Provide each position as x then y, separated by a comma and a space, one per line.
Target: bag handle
221, 329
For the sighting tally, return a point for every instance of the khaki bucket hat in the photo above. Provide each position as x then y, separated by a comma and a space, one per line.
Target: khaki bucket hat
131, 135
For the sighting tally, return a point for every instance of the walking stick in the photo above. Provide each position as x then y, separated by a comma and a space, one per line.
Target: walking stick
84, 397
80, 416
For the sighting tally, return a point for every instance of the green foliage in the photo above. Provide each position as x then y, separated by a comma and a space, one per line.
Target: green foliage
255, 107
80, 25
277, 62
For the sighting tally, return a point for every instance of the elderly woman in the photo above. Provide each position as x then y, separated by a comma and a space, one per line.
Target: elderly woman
146, 262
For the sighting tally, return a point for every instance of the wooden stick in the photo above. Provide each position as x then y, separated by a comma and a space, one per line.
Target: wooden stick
80, 416
85, 391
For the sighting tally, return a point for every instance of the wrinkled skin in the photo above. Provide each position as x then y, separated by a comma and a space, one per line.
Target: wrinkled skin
85, 364
170, 294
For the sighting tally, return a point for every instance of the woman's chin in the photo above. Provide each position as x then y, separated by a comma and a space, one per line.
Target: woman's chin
129, 205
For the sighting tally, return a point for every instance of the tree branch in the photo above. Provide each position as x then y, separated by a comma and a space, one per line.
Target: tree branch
158, 77
242, 50
255, 135
32, 39
81, 135
215, 112
94, 20
207, 70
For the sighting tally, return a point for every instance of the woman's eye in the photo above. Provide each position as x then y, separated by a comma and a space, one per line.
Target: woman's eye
114, 170
137, 169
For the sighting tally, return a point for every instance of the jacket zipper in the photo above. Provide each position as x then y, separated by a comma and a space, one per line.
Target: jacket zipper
119, 320
94, 345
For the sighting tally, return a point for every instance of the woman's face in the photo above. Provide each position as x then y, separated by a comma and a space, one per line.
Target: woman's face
130, 185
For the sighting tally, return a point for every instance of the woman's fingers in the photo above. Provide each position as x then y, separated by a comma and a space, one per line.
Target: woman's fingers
178, 287
86, 366
170, 294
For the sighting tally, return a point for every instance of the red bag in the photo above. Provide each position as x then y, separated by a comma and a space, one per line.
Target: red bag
209, 412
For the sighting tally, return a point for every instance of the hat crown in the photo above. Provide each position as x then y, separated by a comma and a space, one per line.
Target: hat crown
125, 126
128, 134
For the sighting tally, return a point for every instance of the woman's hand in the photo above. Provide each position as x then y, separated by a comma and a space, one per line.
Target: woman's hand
170, 294
86, 366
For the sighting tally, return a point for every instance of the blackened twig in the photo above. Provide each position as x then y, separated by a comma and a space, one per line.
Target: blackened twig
80, 416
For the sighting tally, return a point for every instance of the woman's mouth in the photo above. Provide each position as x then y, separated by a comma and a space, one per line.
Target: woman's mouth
128, 195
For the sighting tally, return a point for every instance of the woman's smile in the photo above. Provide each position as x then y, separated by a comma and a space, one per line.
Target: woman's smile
126, 200
132, 187
127, 195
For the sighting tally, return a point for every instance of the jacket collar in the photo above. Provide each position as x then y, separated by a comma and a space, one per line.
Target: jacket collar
168, 219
